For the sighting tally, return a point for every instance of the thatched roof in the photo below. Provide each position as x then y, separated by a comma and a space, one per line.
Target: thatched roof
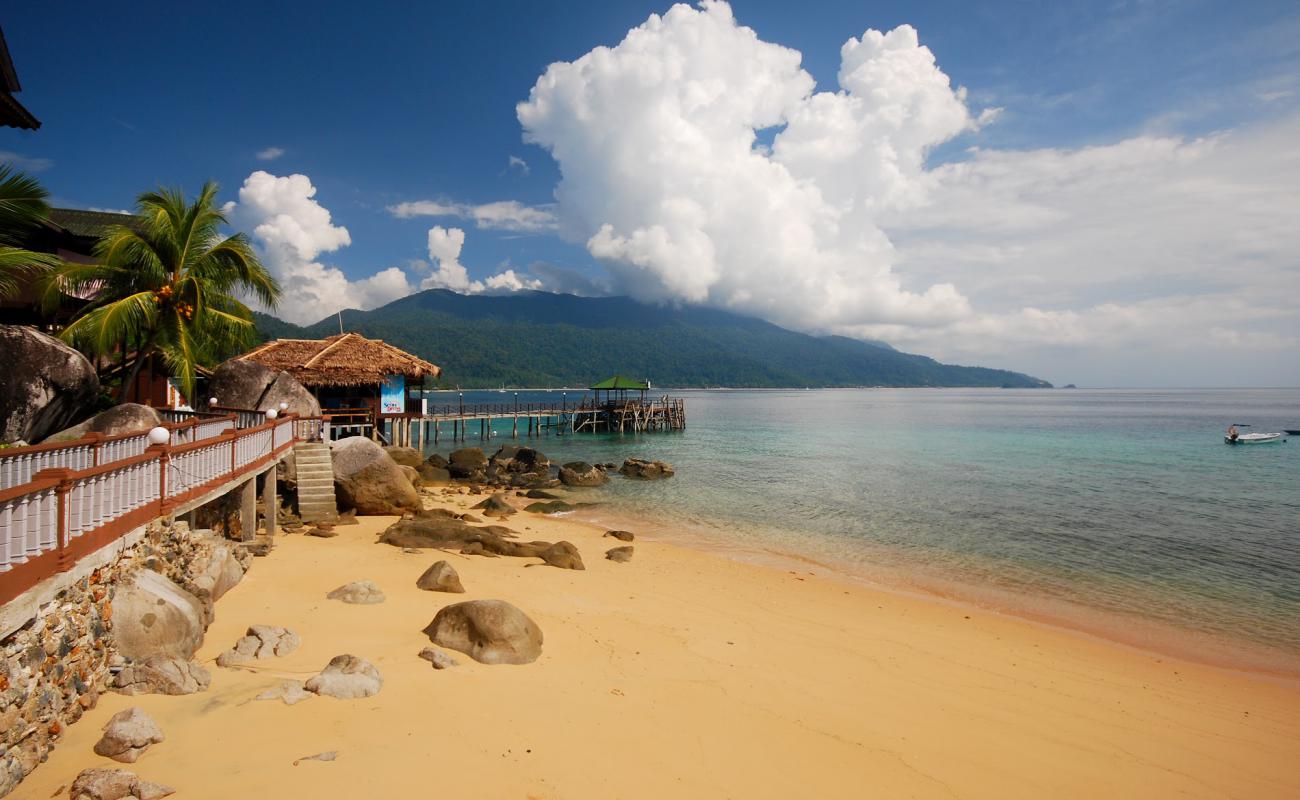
348, 359
618, 382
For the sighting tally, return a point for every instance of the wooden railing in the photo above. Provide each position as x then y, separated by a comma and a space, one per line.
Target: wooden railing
63, 513
18, 465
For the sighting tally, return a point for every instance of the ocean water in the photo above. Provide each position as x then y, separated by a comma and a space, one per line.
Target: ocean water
1116, 512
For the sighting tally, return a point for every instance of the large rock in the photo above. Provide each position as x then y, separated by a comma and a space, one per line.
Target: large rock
619, 555
563, 555
127, 735
468, 464
247, 384
361, 593
429, 529
405, 456
512, 458
622, 536
368, 480
218, 571
45, 386
412, 474
437, 476
154, 616
102, 783
496, 506
441, 577
646, 470
580, 473
346, 677
126, 418
261, 641
159, 674
488, 631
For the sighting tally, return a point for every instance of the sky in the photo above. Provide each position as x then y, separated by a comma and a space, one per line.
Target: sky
1099, 193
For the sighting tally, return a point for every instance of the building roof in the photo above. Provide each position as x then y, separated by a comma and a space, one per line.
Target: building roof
12, 112
348, 359
90, 224
619, 382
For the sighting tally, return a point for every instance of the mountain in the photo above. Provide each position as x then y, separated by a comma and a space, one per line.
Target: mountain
540, 339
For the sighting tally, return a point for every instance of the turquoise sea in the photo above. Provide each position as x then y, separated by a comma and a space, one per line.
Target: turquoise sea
1119, 513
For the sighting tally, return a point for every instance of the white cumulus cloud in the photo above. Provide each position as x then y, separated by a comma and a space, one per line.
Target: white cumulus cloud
699, 164
292, 229
502, 215
445, 245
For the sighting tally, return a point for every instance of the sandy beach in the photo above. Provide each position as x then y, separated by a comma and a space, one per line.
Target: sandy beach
687, 674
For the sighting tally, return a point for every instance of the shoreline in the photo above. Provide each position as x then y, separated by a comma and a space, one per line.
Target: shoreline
686, 673
1142, 635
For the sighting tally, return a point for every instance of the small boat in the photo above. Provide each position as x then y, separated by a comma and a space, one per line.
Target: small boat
1254, 438
1290, 432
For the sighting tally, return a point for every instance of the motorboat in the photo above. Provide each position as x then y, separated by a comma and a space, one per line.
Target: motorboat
1254, 438
1290, 432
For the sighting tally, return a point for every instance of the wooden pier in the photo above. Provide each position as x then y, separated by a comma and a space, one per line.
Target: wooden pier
460, 421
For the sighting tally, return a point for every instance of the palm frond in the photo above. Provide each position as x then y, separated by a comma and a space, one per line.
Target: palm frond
22, 204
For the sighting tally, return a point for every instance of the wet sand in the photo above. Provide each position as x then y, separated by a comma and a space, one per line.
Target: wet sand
688, 674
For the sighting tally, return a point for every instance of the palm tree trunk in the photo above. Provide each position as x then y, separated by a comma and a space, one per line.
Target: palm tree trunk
145, 351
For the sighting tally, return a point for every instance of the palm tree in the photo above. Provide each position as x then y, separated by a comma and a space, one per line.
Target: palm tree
22, 207
168, 285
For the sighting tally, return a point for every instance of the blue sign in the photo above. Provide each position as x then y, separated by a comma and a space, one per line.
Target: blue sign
392, 398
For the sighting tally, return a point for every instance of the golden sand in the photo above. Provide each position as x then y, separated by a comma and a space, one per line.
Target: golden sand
687, 674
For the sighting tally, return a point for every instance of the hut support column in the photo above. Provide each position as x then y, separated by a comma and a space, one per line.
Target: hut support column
248, 510
269, 501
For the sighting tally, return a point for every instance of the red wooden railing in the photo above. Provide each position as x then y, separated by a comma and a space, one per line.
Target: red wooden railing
65, 512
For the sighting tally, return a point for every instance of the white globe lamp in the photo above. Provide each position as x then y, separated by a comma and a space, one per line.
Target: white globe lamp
271, 413
160, 435
212, 401
284, 406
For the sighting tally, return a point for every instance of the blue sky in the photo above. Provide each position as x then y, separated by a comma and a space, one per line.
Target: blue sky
401, 104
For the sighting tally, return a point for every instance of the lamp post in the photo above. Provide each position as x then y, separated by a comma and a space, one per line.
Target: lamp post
159, 435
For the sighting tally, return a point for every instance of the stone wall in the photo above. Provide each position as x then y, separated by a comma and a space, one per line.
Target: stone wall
56, 666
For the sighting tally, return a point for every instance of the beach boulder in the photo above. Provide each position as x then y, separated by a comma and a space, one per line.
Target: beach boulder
468, 464
563, 555
159, 674
127, 735
45, 385
218, 570
431, 475
346, 677
368, 480
249, 385
404, 456
580, 473
496, 506
154, 616
514, 459
291, 692
488, 631
619, 555
549, 507
124, 418
436, 461
361, 593
646, 470
411, 474
102, 783
622, 536
438, 659
441, 577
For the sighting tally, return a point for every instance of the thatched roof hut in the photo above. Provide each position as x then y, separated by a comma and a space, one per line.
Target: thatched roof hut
348, 359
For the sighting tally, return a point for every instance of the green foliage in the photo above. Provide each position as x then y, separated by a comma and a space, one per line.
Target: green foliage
537, 339
168, 285
22, 207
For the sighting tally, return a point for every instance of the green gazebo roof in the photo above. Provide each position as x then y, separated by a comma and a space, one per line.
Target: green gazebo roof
619, 382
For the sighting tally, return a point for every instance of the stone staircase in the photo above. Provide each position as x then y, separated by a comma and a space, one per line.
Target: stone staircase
315, 481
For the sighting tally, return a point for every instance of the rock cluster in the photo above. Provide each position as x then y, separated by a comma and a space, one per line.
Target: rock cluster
162, 674
358, 593
646, 470
434, 529
57, 665
261, 641
580, 473
290, 692
127, 734
488, 631
346, 677
438, 659
101, 783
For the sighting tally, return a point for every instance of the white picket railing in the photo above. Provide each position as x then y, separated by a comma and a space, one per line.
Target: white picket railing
53, 510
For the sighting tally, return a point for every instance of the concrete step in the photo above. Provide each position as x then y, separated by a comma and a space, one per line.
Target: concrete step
316, 472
